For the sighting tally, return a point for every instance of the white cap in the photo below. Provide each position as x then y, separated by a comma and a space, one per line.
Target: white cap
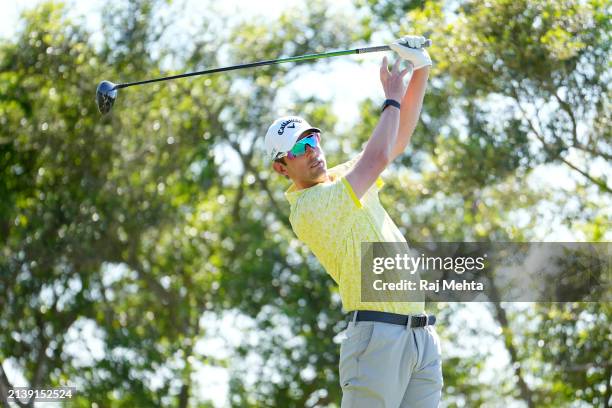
283, 134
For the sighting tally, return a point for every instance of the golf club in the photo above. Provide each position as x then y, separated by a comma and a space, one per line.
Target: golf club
106, 92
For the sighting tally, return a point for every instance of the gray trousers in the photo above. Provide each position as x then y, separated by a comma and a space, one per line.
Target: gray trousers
390, 366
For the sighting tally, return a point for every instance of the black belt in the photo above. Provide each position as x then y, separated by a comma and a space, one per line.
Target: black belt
393, 318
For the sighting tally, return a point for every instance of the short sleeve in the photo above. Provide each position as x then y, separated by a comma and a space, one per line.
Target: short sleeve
342, 169
351, 193
378, 184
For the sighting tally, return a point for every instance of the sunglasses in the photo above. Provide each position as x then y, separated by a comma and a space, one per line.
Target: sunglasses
299, 148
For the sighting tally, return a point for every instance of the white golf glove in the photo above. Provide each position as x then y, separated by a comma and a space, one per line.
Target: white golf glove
410, 49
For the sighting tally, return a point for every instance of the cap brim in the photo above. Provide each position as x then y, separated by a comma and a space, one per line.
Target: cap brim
310, 130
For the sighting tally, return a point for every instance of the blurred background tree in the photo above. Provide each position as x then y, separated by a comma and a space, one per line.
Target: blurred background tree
126, 232
519, 98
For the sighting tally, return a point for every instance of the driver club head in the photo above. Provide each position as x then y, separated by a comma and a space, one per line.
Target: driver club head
106, 93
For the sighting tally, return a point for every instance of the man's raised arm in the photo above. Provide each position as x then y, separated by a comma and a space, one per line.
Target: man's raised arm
379, 149
411, 110
410, 49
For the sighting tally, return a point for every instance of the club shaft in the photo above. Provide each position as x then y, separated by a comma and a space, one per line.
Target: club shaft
260, 63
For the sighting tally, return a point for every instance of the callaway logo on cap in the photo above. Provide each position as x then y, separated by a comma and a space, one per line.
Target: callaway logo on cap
283, 134
289, 124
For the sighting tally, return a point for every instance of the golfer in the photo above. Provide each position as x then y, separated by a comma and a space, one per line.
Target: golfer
390, 353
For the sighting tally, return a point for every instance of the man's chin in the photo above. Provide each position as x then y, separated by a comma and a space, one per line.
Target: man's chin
320, 173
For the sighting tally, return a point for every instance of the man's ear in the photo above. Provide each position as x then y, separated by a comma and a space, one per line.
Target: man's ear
280, 168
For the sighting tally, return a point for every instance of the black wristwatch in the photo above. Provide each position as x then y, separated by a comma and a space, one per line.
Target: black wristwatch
390, 102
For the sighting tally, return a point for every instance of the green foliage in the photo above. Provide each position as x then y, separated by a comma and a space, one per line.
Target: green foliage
387, 12
85, 194
129, 228
131, 224
514, 86
565, 346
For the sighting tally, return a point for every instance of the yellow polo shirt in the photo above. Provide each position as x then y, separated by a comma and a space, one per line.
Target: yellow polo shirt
333, 223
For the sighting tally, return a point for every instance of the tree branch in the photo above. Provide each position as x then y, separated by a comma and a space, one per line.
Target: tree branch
42, 356
577, 144
263, 184
5, 385
608, 393
568, 109
600, 183
246, 159
502, 320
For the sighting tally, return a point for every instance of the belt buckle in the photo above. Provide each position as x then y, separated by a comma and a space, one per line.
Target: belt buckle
420, 320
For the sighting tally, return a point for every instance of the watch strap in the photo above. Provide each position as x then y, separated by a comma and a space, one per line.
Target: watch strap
390, 102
